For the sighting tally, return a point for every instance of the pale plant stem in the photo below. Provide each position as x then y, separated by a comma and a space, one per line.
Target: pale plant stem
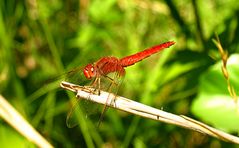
142, 110
15, 119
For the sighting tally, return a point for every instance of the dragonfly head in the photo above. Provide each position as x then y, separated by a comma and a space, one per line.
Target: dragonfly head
89, 71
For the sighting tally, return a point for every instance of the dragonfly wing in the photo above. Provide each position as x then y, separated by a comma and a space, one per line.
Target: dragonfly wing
71, 119
81, 110
76, 76
114, 83
66, 75
84, 109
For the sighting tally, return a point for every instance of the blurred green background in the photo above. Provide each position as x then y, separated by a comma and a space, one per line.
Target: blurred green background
40, 40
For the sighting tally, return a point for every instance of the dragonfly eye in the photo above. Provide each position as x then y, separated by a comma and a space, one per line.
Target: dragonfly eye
89, 71
86, 73
92, 69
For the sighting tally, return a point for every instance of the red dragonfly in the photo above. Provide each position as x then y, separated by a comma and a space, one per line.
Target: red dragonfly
106, 65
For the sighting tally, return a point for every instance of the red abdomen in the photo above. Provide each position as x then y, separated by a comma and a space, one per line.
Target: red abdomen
132, 59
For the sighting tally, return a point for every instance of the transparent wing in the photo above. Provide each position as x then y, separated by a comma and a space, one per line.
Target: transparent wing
71, 75
113, 84
81, 110
76, 76
90, 110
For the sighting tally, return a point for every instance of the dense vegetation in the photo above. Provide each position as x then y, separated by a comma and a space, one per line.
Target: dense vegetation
40, 40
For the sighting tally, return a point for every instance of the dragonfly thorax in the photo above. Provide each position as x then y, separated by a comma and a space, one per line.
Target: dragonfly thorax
89, 71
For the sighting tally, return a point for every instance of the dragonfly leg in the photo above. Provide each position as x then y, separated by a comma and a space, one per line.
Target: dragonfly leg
92, 88
89, 89
98, 86
105, 106
112, 80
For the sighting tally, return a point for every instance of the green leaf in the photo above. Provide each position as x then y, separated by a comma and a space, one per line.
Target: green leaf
10, 138
213, 104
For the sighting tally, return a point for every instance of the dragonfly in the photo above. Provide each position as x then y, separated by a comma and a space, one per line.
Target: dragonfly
106, 65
